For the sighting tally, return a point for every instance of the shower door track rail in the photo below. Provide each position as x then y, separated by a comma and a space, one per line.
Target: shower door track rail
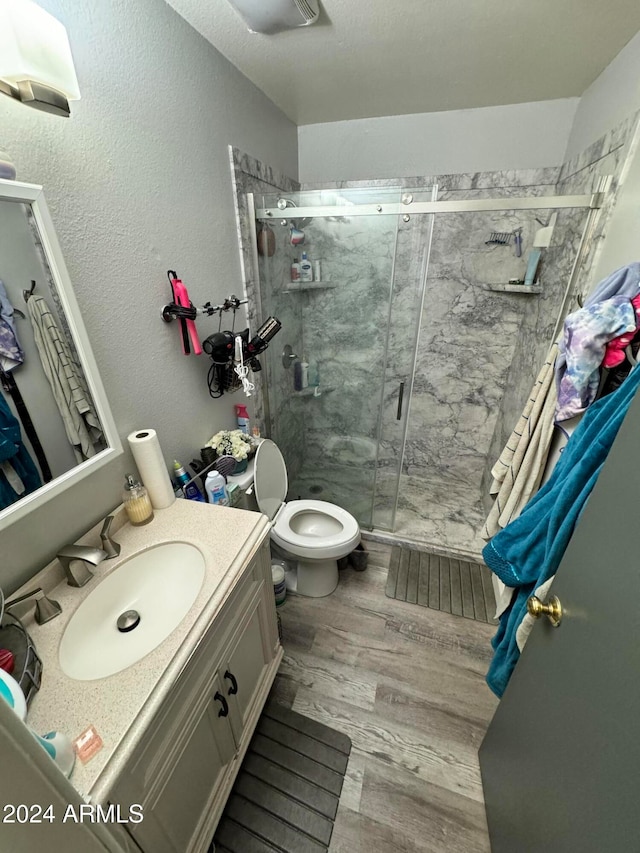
592, 201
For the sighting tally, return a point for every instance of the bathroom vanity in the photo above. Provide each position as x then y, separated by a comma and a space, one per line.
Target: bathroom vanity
174, 725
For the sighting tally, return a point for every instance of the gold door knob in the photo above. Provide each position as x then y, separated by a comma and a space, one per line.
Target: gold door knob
552, 609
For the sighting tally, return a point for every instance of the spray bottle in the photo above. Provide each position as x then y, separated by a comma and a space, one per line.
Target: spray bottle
242, 416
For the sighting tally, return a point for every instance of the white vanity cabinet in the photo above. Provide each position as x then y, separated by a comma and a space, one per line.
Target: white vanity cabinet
182, 770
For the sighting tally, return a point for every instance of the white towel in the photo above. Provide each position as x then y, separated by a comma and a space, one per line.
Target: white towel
518, 471
66, 379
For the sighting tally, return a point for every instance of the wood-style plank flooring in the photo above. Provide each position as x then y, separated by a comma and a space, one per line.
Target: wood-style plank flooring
407, 685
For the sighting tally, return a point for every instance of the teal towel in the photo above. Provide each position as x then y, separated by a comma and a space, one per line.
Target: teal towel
529, 549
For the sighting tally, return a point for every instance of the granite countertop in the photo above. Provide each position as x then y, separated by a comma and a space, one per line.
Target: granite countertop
121, 706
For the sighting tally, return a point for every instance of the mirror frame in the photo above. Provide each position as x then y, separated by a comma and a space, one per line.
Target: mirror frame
33, 195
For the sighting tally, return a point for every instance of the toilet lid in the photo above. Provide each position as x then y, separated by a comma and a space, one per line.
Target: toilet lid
270, 478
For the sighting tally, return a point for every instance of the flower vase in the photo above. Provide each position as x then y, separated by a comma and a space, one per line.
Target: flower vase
241, 466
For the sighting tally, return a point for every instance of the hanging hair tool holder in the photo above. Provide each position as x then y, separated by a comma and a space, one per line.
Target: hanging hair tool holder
232, 353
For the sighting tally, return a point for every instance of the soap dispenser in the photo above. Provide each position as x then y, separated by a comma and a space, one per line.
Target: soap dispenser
136, 502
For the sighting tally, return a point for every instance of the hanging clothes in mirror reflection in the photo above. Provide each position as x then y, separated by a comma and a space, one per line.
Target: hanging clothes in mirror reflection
12, 357
18, 473
66, 378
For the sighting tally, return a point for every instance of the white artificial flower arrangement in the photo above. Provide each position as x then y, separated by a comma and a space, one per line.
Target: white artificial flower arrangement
231, 442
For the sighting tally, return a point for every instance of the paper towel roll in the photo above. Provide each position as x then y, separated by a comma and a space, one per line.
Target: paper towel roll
149, 460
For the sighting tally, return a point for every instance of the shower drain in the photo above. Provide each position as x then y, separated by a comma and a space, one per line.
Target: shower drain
316, 490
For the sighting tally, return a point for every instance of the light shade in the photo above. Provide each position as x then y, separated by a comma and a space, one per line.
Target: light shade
34, 47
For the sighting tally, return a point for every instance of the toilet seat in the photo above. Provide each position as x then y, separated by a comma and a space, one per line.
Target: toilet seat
315, 529
306, 528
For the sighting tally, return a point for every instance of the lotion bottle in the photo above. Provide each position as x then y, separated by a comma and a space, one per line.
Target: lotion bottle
306, 270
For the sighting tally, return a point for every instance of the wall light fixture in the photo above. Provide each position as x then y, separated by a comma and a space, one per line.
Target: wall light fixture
36, 66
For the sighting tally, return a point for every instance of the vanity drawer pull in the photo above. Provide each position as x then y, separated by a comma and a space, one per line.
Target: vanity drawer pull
234, 684
224, 711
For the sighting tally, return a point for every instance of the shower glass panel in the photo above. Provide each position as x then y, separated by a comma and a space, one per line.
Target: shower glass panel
356, 327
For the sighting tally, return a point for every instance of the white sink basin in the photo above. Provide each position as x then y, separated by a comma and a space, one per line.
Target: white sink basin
159, 584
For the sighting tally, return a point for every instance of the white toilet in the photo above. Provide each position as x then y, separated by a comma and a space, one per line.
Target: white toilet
313, 533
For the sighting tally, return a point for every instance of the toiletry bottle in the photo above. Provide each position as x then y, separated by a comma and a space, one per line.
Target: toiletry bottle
304, 373
216, 489
242, 416
317, 270
136, 502
297, 376
191, 491
295, 270
306, 270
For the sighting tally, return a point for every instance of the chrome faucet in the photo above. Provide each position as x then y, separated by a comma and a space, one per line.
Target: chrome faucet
109, 545
46, 608
75, 560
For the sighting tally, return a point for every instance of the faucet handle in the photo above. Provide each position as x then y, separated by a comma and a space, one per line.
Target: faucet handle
109, 545
46, 608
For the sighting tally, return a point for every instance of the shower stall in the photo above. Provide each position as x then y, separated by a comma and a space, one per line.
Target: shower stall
410, 329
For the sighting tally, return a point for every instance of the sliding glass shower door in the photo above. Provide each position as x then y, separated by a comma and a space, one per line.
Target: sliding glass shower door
339, 379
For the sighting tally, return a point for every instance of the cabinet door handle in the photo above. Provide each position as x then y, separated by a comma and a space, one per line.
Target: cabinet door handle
234, 684
224, 711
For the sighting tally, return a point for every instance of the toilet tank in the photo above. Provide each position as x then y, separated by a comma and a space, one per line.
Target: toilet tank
244, 481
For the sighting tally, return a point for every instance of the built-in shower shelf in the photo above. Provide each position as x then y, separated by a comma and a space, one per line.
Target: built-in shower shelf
294, 286
311, 391
523, 289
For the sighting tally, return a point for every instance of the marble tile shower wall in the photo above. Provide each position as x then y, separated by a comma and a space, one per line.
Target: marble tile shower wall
605, 157
467, 332
478, 350
345, 330
252, 176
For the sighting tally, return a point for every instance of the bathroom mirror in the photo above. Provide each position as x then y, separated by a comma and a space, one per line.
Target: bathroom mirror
53, 409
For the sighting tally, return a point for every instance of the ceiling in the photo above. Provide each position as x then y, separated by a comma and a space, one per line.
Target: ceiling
380, 57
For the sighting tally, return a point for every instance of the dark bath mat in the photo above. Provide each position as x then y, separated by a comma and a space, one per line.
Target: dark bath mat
441, 583
285, 797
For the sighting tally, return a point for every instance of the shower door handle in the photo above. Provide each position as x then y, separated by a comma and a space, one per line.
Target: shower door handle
400, 398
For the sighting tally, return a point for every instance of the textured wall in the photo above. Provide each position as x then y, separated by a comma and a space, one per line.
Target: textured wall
517, 136
138, 182
608, 101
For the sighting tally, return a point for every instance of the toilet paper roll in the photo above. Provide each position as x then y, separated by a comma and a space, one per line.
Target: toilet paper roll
153, 472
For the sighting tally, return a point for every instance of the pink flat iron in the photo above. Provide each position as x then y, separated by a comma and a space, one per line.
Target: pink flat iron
188, 331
